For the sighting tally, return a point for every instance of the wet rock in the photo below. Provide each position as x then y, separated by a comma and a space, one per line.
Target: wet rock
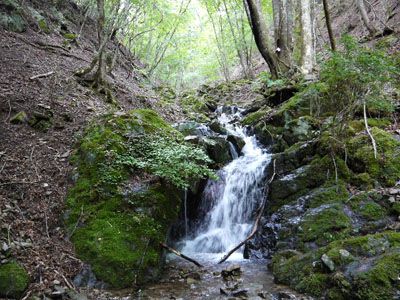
192, 277
73, 295
86, 278
217, 127
231, 272
188, 128
328, 262
218, 149
241, 294
237, 142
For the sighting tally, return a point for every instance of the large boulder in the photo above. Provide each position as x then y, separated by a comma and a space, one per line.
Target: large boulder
126, 196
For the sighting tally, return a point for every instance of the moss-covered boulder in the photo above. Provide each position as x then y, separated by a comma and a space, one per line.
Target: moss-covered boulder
14, 280
385, 169
301, 129
218, 149
364, 268
324, 224
254, 117
125, 197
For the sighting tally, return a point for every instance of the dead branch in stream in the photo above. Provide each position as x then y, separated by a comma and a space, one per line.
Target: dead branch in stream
256, 223
180, 255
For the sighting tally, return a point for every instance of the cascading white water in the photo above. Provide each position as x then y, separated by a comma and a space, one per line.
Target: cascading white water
234, 197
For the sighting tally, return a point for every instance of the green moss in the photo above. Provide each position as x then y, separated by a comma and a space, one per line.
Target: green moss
70, 36
43, 26
363, 181
13, 280
327, 225
254, 117
321, 170
359, 125
328, 194
386, 167
368, 245
379, 281
396, 208
19, 118
305, 272
336, 254
371, 211
314, 284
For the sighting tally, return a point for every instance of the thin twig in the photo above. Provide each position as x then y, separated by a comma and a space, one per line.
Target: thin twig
47, 226
42, 75
336, 171
76, 225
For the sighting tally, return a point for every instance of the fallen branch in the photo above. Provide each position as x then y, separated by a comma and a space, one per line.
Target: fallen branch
256, 223
42, 75
369, 132
180, 255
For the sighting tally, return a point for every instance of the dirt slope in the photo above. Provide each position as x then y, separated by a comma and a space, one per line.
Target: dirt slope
34, 151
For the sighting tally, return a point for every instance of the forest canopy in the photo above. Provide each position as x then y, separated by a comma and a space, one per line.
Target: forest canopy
185, 43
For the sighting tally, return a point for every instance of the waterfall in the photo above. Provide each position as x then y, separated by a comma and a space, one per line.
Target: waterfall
185, 212
232, 200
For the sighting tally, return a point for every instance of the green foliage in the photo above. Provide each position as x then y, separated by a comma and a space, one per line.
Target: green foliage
354, 76
171, 159
265, 78
142, 140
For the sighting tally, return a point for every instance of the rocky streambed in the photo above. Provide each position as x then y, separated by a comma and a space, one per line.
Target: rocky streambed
235, 279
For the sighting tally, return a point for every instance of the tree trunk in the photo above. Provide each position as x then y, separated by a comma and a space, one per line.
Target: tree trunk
364, 15
237, 44
101, 69
283, 31
308, 59
329, 25
260, 32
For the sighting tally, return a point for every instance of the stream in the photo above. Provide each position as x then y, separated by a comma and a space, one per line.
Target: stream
230, 203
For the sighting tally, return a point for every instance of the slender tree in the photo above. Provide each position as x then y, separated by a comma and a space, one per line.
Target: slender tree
329, 25
364, 16
261, 37
307, 20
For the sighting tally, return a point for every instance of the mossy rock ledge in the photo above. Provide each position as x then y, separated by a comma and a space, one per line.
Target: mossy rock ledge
334, 206
117, 214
